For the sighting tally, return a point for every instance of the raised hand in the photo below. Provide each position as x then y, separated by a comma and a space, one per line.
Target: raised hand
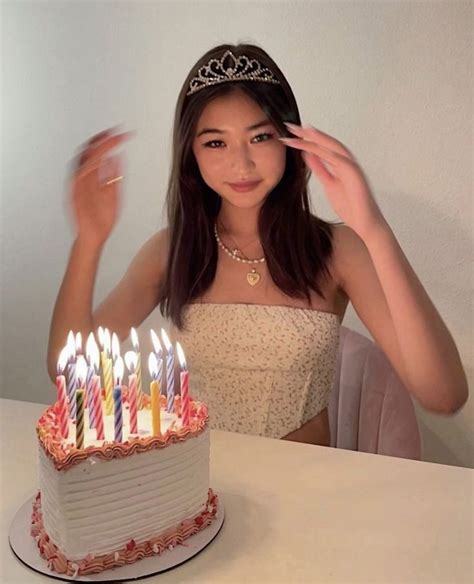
344, 183
95, 203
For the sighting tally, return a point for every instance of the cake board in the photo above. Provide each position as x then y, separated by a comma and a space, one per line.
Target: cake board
25, 549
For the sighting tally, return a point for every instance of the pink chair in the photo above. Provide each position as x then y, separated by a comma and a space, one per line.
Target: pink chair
369, 409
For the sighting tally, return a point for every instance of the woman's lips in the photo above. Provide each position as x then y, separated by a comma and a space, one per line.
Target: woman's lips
244, 186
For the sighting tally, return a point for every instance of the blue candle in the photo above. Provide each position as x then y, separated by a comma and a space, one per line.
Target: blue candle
71, 388
118, 414
169, 372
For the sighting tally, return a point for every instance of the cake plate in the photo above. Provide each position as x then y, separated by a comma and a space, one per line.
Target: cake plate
25, 548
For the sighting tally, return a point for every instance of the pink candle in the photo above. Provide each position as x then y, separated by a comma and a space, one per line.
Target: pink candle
62, 406
132, 399
184, 386
98, 413
185, 405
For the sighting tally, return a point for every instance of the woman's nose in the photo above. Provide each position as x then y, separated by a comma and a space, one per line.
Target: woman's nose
241, 160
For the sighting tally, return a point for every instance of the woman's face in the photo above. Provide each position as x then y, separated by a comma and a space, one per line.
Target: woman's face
228, 150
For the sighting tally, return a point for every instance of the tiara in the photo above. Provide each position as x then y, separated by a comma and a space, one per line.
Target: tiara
243, 69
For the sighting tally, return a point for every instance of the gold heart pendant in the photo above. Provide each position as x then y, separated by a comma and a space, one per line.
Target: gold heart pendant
253, 277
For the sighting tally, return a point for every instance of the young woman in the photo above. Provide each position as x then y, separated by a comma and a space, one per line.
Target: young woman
254, 284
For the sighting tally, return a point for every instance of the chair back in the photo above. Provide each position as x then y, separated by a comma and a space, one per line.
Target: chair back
370, 410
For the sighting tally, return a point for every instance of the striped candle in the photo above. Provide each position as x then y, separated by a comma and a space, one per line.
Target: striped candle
98, 414
169, 372
71, 388
157, 348
109, 402
118, 422
118, 418
62, 406
138, 370
89, 381
80, 418
132, 399
184, 387
170, 382
185, 404
93, 358
159, 374
139, 382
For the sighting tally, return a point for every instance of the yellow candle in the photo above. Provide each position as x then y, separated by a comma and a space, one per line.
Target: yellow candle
155, 407
109, 399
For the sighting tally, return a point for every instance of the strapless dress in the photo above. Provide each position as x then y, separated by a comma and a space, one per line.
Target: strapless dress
262, 369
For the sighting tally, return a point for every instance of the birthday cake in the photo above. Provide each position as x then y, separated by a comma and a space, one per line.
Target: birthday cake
108, 498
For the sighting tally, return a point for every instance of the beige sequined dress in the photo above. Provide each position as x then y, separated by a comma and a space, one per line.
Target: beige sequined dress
262, 369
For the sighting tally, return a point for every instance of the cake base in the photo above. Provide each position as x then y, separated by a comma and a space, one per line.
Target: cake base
25, 548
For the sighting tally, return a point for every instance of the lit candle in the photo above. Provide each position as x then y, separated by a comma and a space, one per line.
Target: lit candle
78, 343
159, 356
184, 386
92, 354
71, 374
136, 348
169, 372
61, 394
155, 395
81, 377
107, 371
118, 420
115, 347
131, 363
98, 413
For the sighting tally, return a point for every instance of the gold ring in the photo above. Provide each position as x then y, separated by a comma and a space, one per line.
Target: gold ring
112, 180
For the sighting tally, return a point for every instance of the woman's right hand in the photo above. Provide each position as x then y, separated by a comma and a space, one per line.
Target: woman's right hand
96, 204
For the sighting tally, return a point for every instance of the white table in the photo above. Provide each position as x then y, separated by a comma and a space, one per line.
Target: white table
294, 513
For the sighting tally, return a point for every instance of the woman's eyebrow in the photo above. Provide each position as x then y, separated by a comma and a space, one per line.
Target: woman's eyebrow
265, 122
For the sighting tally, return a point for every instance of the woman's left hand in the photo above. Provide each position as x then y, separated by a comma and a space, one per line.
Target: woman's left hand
344, 183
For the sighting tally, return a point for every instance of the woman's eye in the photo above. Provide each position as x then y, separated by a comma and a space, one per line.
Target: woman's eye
267, 136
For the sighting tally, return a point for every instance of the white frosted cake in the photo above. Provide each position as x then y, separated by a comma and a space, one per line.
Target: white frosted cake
110, 503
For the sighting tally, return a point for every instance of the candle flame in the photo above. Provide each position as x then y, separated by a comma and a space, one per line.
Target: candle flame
156, 342
81, 370
168, 345
118, 371
153, 365
181, 357
78, 342
115, 347
92, 352
71, 346
63, 359
133, 334
100, 334
131, 361
107, 341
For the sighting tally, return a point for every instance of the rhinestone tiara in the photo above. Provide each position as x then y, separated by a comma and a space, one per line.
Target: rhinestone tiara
242, 69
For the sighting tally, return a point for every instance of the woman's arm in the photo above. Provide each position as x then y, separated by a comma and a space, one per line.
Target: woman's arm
129, 303
392, 303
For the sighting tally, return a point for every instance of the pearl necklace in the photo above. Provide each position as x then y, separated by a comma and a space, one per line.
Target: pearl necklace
253, 277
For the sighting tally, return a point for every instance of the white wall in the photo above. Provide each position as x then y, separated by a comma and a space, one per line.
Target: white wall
391, 80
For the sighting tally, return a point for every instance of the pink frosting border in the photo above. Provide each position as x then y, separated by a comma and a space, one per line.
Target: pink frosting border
65, 455
132, 552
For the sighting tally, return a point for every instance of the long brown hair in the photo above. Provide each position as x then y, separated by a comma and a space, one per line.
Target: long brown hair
297, 245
